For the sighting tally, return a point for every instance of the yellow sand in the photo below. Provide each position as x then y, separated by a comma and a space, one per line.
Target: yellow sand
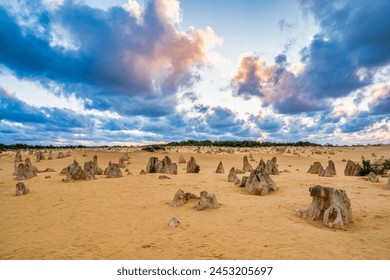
126, 218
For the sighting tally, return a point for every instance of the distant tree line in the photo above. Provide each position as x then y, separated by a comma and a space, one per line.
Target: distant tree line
19, 146
154, 147
241, 144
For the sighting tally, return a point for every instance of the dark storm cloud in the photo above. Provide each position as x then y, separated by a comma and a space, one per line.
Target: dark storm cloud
352, 45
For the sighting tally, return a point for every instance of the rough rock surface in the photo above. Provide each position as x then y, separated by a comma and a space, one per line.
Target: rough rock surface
271, 167
331, 205
181, 159
371, 177
121, 163
316, 168
164, 166
246, 166
352, 169
242, 184
207, 200
40, 156
220, 168
21, 189
18, 157
182, 197
25, 171
113, 170
173, 222
232, 177
76, 172
329, 171
192, 167
260, 183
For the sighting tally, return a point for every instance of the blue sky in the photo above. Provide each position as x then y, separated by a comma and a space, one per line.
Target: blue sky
137, 72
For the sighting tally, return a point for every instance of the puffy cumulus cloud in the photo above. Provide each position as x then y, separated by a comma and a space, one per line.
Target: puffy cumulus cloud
134, 8
351, 47
273, 84
109, 53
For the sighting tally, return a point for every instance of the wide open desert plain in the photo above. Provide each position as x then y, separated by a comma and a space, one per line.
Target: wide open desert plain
127, 217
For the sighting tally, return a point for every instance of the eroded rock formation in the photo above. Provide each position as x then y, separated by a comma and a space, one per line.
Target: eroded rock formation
260, 183
192, 167
18, 156
207, 200
232, 177
246, 166
25, 171
220, 168
329, 171
21, 189
76, 172
182, 197
181, 159
316, 168
164, 166
113, 170
352, 169
331, 205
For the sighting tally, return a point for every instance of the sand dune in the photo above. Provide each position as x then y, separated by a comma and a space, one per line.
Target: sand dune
126, 218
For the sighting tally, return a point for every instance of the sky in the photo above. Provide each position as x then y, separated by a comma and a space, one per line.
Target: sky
128, 72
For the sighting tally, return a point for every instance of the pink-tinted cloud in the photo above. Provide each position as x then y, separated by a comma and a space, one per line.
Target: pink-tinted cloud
116, 54
273, 84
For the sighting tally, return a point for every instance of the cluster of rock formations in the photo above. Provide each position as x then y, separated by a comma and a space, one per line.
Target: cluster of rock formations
25, 171
76, 172
164, 166
113, 170
205, 200
331, 205
317, 168
92, 167
259, 182
182, 197
270, 166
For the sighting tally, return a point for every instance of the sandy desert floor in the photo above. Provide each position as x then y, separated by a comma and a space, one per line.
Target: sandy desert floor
126, 218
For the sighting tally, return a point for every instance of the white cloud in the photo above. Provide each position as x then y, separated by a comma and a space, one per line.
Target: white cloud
35, 95
134, 8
